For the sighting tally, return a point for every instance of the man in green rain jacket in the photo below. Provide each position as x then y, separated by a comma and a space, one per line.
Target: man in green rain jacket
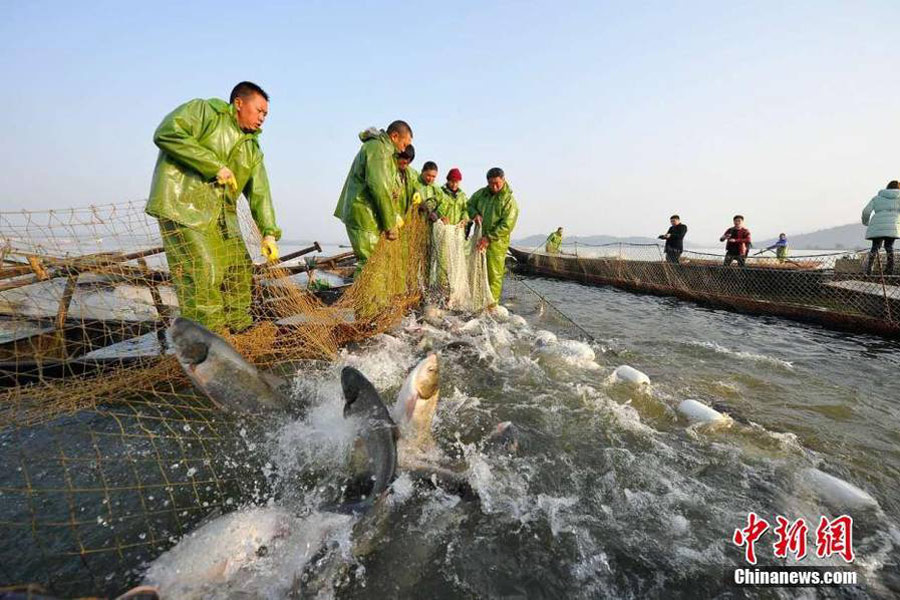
210, 155
496, 210
554, 241
409, 181
429, 190
371, 197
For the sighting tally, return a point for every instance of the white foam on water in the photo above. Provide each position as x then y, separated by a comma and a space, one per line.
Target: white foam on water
716, 347
543, 337
567, 354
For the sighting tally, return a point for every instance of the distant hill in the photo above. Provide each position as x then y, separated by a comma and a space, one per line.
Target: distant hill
843, 237
594, 240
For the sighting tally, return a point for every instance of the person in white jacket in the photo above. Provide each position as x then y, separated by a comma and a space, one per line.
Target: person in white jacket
882, 216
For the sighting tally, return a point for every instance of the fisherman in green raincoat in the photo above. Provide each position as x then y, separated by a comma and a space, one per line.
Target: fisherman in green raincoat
429, 190
554, 241
409, 181
370, 201
496, 210
209, 156
453, 207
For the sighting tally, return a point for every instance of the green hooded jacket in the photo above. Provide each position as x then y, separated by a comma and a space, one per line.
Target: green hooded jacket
431, 194
410, 186
372, 192
553, 243
454, 208
499, 213
195, 141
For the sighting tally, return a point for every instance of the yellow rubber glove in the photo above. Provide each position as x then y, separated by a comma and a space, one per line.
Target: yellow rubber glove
226, 177
269, 248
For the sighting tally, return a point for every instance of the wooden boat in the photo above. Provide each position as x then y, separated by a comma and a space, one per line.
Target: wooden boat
63, 317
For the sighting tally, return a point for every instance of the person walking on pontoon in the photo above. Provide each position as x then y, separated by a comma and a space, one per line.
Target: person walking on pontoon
882, 218
674, 239
780, 247
737, 242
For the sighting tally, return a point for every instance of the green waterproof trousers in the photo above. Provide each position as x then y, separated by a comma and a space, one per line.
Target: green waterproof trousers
363, 242
496, 266
211, 271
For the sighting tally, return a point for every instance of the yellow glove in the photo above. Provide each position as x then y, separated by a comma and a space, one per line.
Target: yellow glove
226, 177
269, 248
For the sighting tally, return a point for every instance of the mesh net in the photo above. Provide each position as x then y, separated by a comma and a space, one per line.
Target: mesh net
848, 290
109, 455
457, 271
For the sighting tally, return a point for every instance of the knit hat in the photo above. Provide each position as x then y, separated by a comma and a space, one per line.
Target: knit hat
454, 174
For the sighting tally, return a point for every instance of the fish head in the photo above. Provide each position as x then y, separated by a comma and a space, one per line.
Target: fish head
191, 341
428, 376
352, 383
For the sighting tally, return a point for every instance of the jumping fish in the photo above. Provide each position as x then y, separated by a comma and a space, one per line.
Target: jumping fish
377, 439
220, 372
416, 404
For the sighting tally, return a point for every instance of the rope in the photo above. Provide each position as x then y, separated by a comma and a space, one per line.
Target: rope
519, 279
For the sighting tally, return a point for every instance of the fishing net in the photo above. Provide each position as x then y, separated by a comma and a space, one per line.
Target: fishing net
848, 290
457, 271
109, 456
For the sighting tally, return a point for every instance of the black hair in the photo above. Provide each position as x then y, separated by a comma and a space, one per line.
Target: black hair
400, 127
675, 217
894, 185
409, 154
429, 166
495, 172
741, 217
245, 89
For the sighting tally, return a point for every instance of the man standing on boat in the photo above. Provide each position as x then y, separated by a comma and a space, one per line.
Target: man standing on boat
369, 201
209, 156
495, 209
554, 242
780, 247
674, 239
737, 242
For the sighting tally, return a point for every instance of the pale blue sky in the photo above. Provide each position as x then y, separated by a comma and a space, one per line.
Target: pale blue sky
607, 117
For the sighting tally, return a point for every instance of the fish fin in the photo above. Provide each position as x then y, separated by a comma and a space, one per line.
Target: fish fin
411, 406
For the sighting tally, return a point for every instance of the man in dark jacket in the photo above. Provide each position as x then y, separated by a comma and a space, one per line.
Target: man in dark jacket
674, 239
737, 242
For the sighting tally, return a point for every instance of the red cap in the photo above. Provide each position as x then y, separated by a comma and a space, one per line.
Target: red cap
454, 175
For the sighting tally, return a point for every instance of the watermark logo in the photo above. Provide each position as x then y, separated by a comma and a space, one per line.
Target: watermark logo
832, 537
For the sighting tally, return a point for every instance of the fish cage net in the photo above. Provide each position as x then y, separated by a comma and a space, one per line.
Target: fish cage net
109, 455
853, 290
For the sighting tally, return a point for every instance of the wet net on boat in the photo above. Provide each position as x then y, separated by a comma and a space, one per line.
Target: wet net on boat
847, 290
109, 456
